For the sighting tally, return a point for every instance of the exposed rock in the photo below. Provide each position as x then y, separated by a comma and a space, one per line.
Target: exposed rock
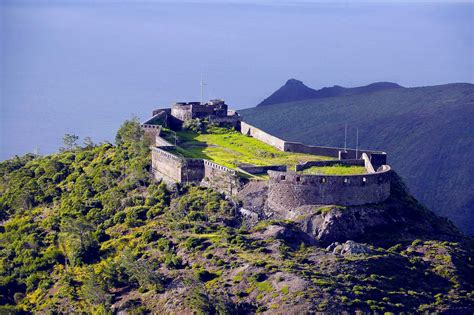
251, 218
253, 196
341, 224
289, 234
331, 247
353, 248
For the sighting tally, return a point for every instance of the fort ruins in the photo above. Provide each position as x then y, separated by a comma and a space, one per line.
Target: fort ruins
285, 188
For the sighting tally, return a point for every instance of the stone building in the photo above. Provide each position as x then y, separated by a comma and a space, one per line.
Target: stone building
192, 110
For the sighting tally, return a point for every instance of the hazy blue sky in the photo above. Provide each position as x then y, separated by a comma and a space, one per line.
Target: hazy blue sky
84, 67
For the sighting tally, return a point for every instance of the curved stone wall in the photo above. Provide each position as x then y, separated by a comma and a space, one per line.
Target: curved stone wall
287, 191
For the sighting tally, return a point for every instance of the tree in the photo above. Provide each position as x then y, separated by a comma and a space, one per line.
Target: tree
70, 142
141, 271
129, 132
88, 142
94, 290
77, 241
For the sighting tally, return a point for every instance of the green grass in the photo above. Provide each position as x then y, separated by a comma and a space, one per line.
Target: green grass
335, 170
233, 148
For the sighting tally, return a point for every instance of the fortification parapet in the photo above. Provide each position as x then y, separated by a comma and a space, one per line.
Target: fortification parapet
288, 190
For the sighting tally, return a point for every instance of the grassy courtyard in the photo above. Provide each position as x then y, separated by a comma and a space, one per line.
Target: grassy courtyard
230, 148
337, 169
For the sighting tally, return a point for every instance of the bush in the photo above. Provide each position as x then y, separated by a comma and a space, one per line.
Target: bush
164, 245
151, 236
135, 216
196, 125
173, 261
193, 243
204, 275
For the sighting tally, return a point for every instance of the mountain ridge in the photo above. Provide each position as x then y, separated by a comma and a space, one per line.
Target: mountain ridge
296, 90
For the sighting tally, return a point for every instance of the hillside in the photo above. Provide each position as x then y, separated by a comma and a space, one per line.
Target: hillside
295, 90
426, 131
88, 231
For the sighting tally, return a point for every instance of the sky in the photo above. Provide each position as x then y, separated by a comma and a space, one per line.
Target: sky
83, 67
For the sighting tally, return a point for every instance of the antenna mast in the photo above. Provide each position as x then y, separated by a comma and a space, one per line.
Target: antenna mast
357, 143
345, 137
202, 90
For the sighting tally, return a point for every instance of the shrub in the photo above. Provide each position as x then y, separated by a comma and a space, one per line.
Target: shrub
164, 245
204, 275
135, 216
150, 236
173, 261
193, 243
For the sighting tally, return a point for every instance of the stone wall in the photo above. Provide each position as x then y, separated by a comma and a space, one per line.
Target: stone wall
377, 158
192, 171
161, 142
151, 131
287, 191
261, 135
232, 120
367, 163
166, 111
166, 166
298, 147
173, 169
182, 112
255, 169
221, 178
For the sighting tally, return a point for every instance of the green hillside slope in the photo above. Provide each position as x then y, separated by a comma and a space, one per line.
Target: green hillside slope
428, 133
88, 231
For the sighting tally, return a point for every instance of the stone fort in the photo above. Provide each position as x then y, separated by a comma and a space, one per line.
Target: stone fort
286, 189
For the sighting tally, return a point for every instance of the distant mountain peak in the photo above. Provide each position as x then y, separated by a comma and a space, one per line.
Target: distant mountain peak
292, 90
295, 90
293, 81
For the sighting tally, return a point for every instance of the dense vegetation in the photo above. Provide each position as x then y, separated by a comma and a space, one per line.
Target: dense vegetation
427, 133
87, 230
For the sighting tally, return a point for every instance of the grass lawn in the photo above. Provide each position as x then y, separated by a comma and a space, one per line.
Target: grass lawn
231, 148
335, 170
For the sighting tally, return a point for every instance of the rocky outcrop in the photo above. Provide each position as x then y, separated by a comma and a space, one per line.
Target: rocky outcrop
349, 248
253, 197
288, 233
340, 224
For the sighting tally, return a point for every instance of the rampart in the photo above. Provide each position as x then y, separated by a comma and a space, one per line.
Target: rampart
166, 166
256, 169
377, 158
287, 191
261, 135
221, 178
175, 169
